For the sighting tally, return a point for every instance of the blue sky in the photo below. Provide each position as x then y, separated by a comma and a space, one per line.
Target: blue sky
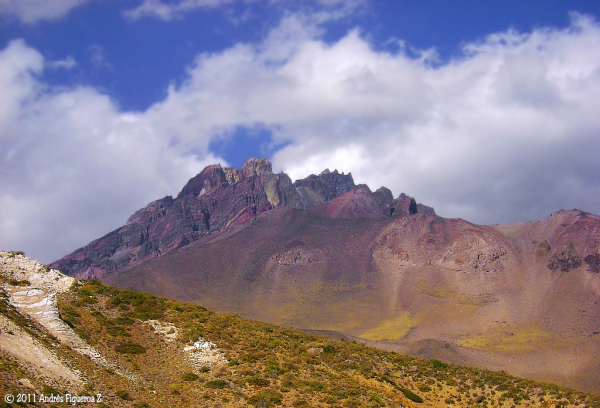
485, 110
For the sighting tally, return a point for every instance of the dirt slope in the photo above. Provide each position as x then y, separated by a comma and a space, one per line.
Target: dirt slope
520, 297
185, 355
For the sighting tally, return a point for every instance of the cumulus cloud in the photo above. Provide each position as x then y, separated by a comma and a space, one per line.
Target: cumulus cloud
503, 133
73, 166
32, 11
506, 132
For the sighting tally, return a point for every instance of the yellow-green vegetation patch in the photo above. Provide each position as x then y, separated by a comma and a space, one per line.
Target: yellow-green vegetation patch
438, 293
460, 298
313, 307
522, 339
474, 300
391, 329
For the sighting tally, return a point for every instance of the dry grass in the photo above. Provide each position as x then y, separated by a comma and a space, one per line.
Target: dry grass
267, 365
522, 339
393, 329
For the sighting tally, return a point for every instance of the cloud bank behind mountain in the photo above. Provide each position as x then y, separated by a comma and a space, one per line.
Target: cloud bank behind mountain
506, 131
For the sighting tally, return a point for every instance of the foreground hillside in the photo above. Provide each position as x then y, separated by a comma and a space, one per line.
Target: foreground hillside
140, 350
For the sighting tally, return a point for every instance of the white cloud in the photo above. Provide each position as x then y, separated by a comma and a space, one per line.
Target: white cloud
503, 133
507, 132
73, 166
67, 63
172, 10
32, 11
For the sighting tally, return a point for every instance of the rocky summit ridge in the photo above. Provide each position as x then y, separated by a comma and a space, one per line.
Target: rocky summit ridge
219, 198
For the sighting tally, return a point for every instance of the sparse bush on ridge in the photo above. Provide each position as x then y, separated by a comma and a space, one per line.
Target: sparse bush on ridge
124, 395
130, 348
437, 364
12, 254
216, 384
189, 377
266, 398
329, 349
15, 282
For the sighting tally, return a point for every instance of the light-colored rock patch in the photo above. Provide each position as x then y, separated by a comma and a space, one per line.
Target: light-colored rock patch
170, 332
42, 307
204, 354
38, 301
37, 357
40, 276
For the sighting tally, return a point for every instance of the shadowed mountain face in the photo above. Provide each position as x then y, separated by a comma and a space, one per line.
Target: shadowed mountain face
520, 297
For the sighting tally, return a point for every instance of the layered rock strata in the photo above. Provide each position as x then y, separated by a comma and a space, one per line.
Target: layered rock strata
216, 199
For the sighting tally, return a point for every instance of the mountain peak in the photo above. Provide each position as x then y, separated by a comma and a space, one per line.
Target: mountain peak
256, 167
219, 198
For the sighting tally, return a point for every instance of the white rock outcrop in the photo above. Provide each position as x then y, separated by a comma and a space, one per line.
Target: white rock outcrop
204, 354
35, 296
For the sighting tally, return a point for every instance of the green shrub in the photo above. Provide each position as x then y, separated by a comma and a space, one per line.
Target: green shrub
329, 349
266, 398
424, 388
130, 348
124, 395
124, 321
70, 312
411, 395
193, 334
14, 282
216, 384
47, 390
437, 364
93, 287
258, 381
70, 316
146, 306
316, 385
189, 377
117, 331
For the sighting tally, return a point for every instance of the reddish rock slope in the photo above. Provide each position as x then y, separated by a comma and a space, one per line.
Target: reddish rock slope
216, 199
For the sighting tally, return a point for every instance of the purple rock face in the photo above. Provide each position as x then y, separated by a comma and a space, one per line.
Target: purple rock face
210, 202
315, 190
408, 205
